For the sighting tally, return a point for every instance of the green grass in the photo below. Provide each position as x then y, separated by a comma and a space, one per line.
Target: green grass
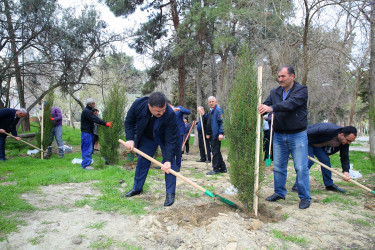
27, 174
292, 238
361, 222
336, 198
360, 160
98, 225
193, 195
199, 175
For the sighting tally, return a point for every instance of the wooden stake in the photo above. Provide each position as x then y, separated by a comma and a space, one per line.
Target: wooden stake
204, 140
257, 149
41, 132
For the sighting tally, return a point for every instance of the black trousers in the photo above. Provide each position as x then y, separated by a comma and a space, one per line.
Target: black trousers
218, 163
201, 148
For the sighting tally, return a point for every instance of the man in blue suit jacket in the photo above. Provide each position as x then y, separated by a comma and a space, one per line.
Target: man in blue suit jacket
8, 122
325, 139
151, 122
215, 132
180, 112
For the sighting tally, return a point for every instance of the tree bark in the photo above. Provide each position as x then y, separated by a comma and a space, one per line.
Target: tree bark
17, 68
372, 79
181, 58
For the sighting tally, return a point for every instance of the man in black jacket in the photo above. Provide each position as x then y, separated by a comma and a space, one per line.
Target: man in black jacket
289, 104
201, 126
8, 122
88, 118
151, 122
326, 139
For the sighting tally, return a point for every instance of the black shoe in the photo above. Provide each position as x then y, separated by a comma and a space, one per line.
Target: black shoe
200, 160
224, 171
133, 192
274, 197
169, 200
212, 172
305, 203
295, 189
335, 189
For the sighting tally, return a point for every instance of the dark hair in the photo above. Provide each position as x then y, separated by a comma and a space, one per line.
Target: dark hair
157, 99
94, 110
187, 119
289, 68
349, 130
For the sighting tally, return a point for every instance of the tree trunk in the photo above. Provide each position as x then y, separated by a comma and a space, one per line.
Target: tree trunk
20, 88
181, 58
305, 56
199, 79
213, 74
372, 80
355, 94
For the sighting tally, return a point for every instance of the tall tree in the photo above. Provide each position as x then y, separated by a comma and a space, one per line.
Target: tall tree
149, 35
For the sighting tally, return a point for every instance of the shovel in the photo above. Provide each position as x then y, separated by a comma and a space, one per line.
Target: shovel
25, 142
191, 128
171, 171
342, 175
268, 160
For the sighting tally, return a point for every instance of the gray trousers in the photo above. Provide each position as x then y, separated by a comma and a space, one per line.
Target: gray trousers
57, 133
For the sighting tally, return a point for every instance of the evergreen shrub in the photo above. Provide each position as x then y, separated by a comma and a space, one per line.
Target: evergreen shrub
47, 123
114, 111
240, 128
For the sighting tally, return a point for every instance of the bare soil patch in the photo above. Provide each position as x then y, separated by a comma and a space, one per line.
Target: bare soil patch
196, 221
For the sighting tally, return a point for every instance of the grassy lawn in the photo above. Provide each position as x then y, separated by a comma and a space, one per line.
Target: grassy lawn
23, 173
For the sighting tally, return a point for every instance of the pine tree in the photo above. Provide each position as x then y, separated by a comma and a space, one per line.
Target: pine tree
114, 111
47, 123
240, 127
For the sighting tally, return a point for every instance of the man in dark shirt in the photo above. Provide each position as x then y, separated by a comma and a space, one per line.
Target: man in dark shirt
8, 122
289, 104
325, 139
203, 126
87, 133
150, 123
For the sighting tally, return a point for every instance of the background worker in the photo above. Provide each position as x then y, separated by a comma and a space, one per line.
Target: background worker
186, 135
180, 112
215, 132
202, 152
8, 123
87, 129
56, 118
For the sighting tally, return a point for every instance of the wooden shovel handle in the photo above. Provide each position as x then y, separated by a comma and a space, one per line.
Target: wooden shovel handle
23, 141
161, 165
183, 145
340, 174
271, 132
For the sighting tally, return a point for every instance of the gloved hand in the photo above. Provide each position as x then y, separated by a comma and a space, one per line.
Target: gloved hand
109, 124
52, 119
